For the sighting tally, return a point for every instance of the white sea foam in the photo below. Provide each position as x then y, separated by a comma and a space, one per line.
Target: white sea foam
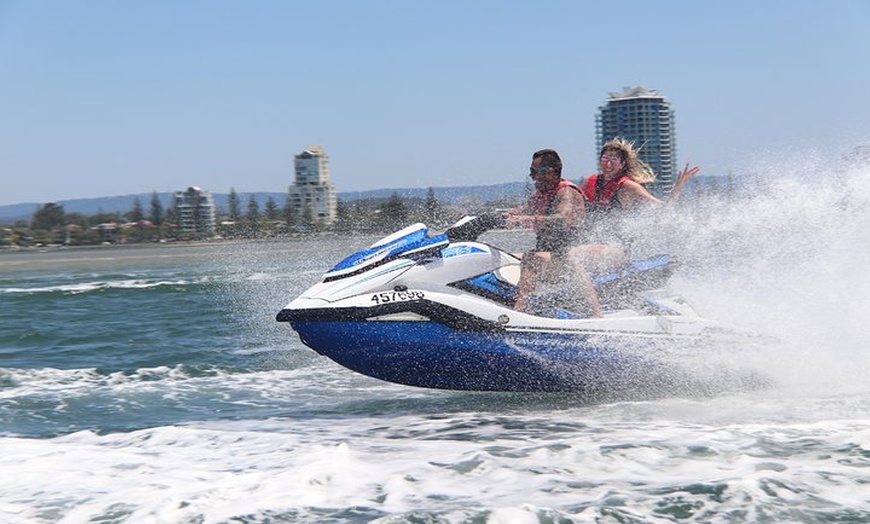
86, 287
23, 383
509, 468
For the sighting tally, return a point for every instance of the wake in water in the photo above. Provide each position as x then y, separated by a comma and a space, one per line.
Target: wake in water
783, 254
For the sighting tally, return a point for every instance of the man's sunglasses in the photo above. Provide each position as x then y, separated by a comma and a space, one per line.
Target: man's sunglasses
535, 171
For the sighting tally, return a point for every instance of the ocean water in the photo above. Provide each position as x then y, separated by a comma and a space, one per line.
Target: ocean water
153, 385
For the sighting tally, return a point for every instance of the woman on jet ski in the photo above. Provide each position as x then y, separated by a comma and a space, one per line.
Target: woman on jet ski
617, 188
556, 212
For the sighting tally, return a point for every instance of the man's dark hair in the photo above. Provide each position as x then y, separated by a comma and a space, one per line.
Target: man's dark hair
550, 158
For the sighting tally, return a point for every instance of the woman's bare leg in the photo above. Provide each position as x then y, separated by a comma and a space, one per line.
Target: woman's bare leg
587, 259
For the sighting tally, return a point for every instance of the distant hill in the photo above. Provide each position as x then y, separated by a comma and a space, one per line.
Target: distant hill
446, 195
124, 203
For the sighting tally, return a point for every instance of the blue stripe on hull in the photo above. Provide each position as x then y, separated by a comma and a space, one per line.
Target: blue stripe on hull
430, 354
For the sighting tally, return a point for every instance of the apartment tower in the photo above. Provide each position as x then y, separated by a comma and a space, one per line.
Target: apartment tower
196, 210
644, 117
312, 195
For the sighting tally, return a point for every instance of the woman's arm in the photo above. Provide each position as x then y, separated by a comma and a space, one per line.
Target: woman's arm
684, 176
631, 193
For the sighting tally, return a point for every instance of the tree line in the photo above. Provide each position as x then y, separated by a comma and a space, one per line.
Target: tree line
52, 225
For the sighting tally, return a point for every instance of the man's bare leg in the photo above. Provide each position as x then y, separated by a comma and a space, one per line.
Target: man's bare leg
532, 266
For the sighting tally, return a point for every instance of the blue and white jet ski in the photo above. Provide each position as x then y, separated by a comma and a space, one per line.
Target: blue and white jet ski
436, 311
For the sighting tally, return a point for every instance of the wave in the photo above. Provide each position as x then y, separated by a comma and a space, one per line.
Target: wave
21, 382
102, 285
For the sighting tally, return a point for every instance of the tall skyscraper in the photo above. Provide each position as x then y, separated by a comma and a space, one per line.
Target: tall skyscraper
196, 211
642, 116
311, 193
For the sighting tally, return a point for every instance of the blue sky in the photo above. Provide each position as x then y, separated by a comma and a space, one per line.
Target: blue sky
104, 98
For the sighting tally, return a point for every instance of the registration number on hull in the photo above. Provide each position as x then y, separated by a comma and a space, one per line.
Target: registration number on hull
387, 297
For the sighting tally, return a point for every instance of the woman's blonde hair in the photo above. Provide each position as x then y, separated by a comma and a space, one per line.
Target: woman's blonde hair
635, 168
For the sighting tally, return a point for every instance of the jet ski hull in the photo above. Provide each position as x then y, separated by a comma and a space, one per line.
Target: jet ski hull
433, 355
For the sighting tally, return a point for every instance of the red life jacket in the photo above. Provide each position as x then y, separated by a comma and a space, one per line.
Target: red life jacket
602, 208
542, 202
602, 193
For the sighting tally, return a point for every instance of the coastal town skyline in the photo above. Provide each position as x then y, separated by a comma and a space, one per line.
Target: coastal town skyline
408, 95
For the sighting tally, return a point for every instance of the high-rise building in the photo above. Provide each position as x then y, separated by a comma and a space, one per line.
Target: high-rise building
311, 193
645, 118
196, 211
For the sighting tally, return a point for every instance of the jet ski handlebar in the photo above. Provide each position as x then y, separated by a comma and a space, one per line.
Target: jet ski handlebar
470, 227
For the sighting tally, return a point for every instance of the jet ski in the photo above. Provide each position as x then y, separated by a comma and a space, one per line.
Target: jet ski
436, 311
